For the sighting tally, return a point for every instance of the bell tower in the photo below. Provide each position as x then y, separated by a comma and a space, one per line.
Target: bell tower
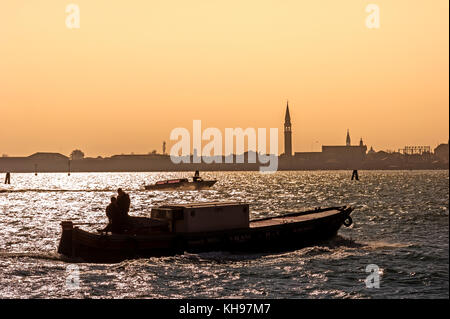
287, 132
348, 141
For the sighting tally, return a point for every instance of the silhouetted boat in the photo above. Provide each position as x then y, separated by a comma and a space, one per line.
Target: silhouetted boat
203, 227
180, 184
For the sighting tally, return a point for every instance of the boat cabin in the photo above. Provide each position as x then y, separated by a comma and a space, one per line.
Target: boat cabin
203, 217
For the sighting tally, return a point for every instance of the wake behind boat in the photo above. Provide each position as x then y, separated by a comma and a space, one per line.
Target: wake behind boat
201, 227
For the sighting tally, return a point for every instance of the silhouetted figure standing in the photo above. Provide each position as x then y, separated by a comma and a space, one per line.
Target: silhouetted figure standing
112, 212
355, 175
123, 202
112, 209
116, 223
8, 178
196, 177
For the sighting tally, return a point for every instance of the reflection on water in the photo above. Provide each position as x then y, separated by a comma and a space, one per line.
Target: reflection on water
400, 224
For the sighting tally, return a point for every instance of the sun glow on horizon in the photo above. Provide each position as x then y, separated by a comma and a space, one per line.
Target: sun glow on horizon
135, 70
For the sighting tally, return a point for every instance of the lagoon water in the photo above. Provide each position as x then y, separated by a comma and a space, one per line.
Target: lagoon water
401, 225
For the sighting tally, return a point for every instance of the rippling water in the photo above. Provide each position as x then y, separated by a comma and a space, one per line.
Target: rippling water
400, 225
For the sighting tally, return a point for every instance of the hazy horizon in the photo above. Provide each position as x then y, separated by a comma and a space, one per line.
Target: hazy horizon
134, 71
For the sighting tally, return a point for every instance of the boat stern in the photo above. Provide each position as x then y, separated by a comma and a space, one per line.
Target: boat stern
65, 243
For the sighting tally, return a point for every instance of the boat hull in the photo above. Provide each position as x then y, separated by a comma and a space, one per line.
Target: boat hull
181, 186
263, 235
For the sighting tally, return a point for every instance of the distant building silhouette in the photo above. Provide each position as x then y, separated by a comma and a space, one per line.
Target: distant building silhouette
287, 132
347, 153
48, 156
415, 150
331, 157
442, 152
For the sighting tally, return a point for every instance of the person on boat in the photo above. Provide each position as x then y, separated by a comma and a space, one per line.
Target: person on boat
196, 177
123, 202
115, 220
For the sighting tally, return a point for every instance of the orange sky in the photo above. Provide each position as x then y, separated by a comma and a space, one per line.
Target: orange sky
137, 69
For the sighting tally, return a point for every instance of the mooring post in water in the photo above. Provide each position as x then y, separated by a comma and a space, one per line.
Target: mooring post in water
69, 169
35, 169
8, 178
355, 175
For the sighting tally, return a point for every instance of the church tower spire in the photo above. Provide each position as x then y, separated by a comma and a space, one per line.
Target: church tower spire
287, 132
348, 141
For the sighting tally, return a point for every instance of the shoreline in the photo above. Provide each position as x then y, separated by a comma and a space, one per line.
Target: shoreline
229, 170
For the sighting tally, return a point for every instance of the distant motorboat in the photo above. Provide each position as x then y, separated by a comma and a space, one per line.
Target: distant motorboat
181, 184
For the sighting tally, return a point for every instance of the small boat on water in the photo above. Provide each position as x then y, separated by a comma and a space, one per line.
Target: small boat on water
202, 227
182, 184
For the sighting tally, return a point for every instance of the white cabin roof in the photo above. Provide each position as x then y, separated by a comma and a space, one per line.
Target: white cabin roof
202, 204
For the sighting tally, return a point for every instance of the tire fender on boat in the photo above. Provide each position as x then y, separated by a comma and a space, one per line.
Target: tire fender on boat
348, 221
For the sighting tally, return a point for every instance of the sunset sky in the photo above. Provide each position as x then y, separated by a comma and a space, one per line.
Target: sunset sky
135, 70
